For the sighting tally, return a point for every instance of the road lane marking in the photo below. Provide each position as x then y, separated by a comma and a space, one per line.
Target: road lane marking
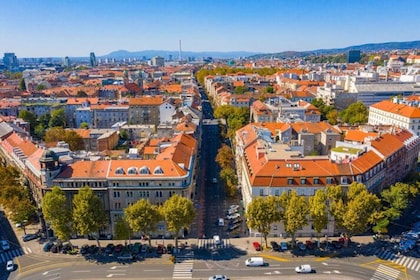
274, 258
82, 271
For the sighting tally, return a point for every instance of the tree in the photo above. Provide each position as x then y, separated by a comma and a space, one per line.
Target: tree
39, 131
240, 89
295, 209
323, 108
332, 117
57, 212
224, 111
88, 213
55, 134
23, 211
58, 118
74, 140
123, 134
143, 217
261, 213
178, 212
22, 85
40, 87
29, 117
122, 229
224, 156
230, 181
84, 125
269, 89
355, 210
318, 211
356, 113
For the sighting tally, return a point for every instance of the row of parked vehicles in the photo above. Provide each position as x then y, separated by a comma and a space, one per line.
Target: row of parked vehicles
303, 246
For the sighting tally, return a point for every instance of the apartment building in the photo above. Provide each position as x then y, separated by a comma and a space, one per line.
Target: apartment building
145, 109
269, 166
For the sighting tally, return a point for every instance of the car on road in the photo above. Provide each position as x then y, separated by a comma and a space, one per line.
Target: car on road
216, 239
221, 222
304, 268
255, 261
218, 277
231, 211
47, 246
214, 180
233, 216
234, 207
29, 237
5, 245
233, 227
10, 266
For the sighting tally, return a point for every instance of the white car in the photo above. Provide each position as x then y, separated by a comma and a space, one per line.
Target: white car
218, 277
217, 240
5, 245
304, 268
233, 216
234, 207
214, 180
10, 266
232, 211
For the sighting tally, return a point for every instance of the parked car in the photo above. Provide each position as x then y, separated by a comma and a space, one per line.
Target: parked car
233, 227
10, 266
310, 245
30, 236
54, 249
170, 248
66, 248
5, 245
336, 244
160, 249
275, 246
232, 211
221, 222
84, 249
301, 246
233, 216
109, 248
144, 248
118, 248
257, 246
47, 246
234, 207
283, 246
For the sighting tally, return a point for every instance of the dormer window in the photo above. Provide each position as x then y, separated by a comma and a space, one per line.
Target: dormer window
132, 171
144, 170
158, 170
119, 171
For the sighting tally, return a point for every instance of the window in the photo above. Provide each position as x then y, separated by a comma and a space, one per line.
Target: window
316, 181
119, 171
329, 181
158, 170
277, 192
144, 170
261, 192
116, 194
344, 180
303, 181
290, 181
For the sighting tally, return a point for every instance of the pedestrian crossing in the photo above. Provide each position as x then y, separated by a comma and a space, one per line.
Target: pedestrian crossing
384, 272
408, 262
11, 254
209, 244
183, 266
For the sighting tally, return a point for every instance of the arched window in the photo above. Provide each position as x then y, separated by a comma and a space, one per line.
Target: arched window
119, 170
144, 170
158, 170
132, 170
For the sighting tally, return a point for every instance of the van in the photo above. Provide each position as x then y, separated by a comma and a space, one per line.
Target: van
255, 261
304, 268
216, 240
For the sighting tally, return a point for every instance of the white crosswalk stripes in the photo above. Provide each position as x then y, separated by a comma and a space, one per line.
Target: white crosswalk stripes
408, 262
183, 266
11, 254
209, 243
385, 273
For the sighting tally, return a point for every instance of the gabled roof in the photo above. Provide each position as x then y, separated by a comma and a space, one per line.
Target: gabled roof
397, 109
387, 144
147, 101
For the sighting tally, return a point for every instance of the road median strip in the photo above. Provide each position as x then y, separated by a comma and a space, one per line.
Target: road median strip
273, 258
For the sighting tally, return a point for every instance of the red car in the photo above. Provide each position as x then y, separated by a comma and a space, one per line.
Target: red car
118, 248
257, 246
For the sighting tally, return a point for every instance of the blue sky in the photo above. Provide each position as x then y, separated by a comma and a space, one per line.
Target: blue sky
58, 28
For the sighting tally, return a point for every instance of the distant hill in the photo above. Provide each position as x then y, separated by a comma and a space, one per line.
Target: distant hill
175, 54
373, 47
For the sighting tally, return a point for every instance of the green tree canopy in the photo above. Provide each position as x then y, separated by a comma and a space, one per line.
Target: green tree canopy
122, 229
58, 118
23, 210
295, 209
40, 87
356, 113
74, 140
269, 89
178, 212
57, 212
143, 217
241, 89
224, 111
88, 213
22, 85
261, 213
322, 107
29, 117
230, 181
318, 211
84, 125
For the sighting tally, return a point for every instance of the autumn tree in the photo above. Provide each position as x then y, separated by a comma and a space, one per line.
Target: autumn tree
88, 213
295, 209
178, 212
355, 209
261, 213
318, 211
224, 111
143, 217
224, 156
57, 212
74, 140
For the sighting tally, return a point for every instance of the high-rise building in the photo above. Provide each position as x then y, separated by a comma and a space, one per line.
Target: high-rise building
66, 62
10, 61
93, 59
158, 61
353, 56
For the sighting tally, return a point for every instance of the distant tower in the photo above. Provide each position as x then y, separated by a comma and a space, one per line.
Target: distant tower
10, 61
66, 62
180, 51
353, 56
92, 59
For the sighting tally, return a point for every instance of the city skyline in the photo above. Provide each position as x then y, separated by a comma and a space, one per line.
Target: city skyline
75, 28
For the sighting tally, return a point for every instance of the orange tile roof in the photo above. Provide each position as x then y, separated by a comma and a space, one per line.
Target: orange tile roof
79, 101
398, 109
147, 100
366, 161
387, 144
359, 136
84, 133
